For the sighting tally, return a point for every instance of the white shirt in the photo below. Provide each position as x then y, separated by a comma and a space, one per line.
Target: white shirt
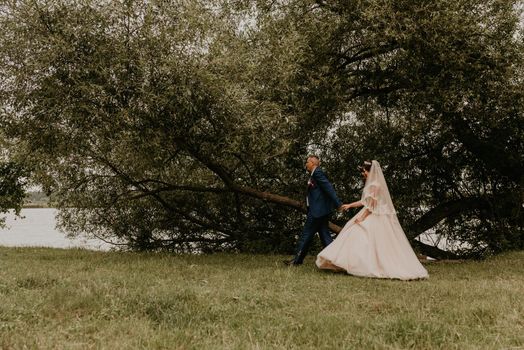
311, 175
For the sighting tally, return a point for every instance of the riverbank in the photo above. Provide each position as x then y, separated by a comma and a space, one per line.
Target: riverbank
56, 298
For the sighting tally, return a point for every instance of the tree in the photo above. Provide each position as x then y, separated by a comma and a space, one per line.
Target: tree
13, 179
437, 92
184, 126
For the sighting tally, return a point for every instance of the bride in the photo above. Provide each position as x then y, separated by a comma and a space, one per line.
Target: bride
372, 243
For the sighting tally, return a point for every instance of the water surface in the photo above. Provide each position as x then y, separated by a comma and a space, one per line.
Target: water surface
37, 228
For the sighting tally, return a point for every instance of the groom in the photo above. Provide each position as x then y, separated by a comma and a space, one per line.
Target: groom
321, 200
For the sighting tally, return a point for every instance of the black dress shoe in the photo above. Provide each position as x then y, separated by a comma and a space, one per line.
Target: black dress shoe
290, 262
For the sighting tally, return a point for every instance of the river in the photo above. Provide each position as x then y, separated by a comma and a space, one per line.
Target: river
37, 228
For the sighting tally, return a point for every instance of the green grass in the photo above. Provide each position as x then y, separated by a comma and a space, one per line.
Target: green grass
76, 299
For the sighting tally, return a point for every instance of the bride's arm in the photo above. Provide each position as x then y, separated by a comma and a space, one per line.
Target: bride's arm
356, 204
351, 205
370, 203
363, 217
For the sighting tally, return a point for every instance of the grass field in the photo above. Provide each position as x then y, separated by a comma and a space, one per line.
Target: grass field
77, 299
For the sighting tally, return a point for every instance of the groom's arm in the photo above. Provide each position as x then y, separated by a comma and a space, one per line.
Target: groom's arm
326, 186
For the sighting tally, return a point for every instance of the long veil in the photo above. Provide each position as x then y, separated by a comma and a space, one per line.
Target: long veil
375, 195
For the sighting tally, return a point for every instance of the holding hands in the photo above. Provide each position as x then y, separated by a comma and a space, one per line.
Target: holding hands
346, 207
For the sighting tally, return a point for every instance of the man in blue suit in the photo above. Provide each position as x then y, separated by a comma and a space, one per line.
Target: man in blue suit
321, 200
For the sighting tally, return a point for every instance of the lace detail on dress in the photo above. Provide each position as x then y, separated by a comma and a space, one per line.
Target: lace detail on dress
375, 196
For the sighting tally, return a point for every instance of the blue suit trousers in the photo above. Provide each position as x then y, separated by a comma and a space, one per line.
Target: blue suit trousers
312, 226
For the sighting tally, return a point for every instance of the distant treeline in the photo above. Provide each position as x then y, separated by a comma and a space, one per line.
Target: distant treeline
37, 200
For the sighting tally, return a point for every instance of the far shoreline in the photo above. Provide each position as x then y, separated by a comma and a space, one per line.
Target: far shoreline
37, 206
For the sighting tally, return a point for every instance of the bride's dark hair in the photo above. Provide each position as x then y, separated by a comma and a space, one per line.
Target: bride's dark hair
366, 165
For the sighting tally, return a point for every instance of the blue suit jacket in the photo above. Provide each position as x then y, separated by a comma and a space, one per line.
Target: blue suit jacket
321, 195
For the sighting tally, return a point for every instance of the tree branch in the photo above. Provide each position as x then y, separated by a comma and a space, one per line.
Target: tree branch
365, 54
444, 210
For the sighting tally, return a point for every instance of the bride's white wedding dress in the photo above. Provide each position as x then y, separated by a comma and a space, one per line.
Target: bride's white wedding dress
377, 246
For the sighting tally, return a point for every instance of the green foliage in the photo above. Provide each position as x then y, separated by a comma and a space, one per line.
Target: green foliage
12, 188
183, 125
439, 102
128, 105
